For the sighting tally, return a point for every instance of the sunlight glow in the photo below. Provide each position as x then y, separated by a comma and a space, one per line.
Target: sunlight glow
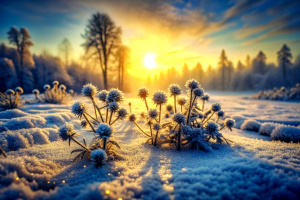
150, 61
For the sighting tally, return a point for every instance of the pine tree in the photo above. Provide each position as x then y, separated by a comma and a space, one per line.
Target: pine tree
261, 58
223, 64
284, 59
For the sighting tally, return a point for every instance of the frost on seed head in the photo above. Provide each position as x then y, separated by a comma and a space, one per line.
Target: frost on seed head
174, 89
132, 117
66, 131
114, 95
181, 101
156, 127
229, 123
19, 90
169, 108
89, 91
160, 97
221, 113
198, 92
212, 127
62, 87
10, 92
98, 156
113, 107
35, 91
215, 107
104, 130
122, 113
192, 84
102, 95
46, 87
55, 82
78, 108
143, 93
152, 113
205, 97
179, 118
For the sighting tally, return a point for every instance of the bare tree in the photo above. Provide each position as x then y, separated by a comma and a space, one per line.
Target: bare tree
284, 59
102, 38
223, 63
65, 48
21, 39
122, 56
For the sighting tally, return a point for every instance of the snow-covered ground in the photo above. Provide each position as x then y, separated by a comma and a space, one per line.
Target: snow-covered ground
253, 167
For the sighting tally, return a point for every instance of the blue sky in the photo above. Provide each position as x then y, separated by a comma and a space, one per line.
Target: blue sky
200, 29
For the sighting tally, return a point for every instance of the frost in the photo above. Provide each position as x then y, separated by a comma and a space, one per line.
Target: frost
286, 133
267, 128
251, 125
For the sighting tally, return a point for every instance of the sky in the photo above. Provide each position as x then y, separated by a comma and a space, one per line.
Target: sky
173, 32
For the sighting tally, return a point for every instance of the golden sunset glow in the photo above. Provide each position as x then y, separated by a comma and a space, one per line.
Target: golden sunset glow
150, 61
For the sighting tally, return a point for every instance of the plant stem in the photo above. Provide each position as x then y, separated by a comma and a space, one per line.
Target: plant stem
217, 119
209, 117
10, 104
106, 118
203, 104
89, 122
81, 144
114, 121
181, 107
141, 129
94, 107
175, 104
222, 127
155, 138
146, 104
111, 114
99, 110
178, 140
190, 108
92, 117
159, 113
104, 143
3, 152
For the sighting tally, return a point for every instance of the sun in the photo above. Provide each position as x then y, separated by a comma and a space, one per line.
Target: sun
150, 61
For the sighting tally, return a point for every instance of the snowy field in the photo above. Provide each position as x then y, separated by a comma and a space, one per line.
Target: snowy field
253, 167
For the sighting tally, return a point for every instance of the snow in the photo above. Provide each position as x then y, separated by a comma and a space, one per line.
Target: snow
39, 165
286, 133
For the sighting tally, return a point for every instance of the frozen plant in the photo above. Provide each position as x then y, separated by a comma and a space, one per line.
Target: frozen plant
11, 99
204, 98
143, 94
99, 157
36, 93
174, 91
181, 101
57, 94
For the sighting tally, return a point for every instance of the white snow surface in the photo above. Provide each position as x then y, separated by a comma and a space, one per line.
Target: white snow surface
39, 165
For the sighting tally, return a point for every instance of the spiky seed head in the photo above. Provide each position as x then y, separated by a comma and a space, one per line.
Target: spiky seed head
200, 115
10, 92
46, 87
102, 95
192, 84
169, 108
215, 107
19, 90
152, 113
62, 87
84, 123
104, 130
156, 127
181, 101
71, 91
35, 91
174, 89
212, 127
79, 108
205, 97
132, 117
198, 92
66, 131
179, 118
122, 113
98, 156
221, 113
114, 95
113, 107
55, 82
143, 93
160, 97
229, 123
89, 90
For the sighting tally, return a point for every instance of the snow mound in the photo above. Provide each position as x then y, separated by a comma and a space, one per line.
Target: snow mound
251, 125
57, 119
239, 120
23, 122
286, 134
267, 128
9, 114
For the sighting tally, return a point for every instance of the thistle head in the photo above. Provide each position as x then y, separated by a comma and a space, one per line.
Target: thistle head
181, 101
114, 95
160, 98
200, 115
143, 93
205, 97
66, 131
98, 156
62, 87
102, 95
55, 83
211, 127
198, 92
79, 108
89, 91
122, 113
71, 91
229, 123
46, 87
84, 123
132, 117
113, 107
192, 84
215, 107
174, 90
156, 127
10, 92
104, 130
169, 108
19, 90
36, 92
221, 113
152, 113
179, 118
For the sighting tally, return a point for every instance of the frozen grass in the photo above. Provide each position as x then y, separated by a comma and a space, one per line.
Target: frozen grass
267, 128
250, 125
286, 134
